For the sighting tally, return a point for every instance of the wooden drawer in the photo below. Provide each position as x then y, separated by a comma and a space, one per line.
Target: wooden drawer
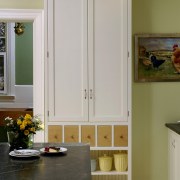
88, 134
71, 133
120, 135
104, 135
54, 133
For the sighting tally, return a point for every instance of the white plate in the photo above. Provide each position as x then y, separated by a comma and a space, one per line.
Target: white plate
62, 149
24, 153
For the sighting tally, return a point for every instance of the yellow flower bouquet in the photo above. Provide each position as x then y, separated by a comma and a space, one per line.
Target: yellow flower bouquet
20, 131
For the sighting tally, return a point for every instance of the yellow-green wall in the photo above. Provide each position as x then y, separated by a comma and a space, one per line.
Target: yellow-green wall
154, 104
21, 4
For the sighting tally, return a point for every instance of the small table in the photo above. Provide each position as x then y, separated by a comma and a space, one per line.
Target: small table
72, 165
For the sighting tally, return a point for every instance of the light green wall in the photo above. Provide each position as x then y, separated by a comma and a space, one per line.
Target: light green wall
21, 4
156, 103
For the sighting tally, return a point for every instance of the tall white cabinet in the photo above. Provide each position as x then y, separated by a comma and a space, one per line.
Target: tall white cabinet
88, 67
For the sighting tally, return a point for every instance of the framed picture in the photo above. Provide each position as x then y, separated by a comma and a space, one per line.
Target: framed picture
157, 57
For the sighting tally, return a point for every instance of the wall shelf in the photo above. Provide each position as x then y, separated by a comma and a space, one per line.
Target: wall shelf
109, 173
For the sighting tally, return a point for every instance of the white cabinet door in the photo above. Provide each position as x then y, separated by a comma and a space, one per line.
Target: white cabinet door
88, 57
67, 46
174, 157
108, 59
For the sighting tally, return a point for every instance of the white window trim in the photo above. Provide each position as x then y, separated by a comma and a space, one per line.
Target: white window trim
37, 17
11, 57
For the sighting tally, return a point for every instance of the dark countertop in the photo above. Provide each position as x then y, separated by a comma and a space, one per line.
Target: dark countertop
74, 164
174, 127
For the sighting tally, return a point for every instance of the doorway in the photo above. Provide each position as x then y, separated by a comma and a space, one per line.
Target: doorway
37, 18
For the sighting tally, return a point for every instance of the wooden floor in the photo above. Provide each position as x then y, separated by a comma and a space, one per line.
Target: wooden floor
13, 113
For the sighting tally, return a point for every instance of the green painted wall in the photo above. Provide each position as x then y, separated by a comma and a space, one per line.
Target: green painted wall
24, 52
154, 104
24, 56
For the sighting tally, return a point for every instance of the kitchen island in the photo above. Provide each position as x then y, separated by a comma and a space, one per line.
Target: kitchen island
74, 164
174, 127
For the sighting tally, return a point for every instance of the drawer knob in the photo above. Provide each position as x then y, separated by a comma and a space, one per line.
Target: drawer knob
121, 137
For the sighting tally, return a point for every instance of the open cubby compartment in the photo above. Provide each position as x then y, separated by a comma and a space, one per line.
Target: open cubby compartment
95, 154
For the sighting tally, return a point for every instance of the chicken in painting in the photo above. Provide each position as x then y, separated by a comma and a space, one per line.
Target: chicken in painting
176, 58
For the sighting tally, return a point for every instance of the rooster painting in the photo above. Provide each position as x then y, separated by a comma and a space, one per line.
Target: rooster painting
156, 62
176, 58
157, 57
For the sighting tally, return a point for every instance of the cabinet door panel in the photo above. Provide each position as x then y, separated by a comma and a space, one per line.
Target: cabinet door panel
174, 158
108, 60
67, 44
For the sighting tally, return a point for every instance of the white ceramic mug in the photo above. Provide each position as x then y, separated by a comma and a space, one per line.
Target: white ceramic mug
93, 165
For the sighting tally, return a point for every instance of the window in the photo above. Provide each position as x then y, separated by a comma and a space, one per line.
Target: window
16, 54
7, 59
3, 64
3, 87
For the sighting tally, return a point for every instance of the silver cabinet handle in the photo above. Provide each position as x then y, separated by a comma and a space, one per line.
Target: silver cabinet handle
85, 94
91, 94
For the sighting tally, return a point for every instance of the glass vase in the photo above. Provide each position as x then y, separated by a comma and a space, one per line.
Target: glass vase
20, 141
